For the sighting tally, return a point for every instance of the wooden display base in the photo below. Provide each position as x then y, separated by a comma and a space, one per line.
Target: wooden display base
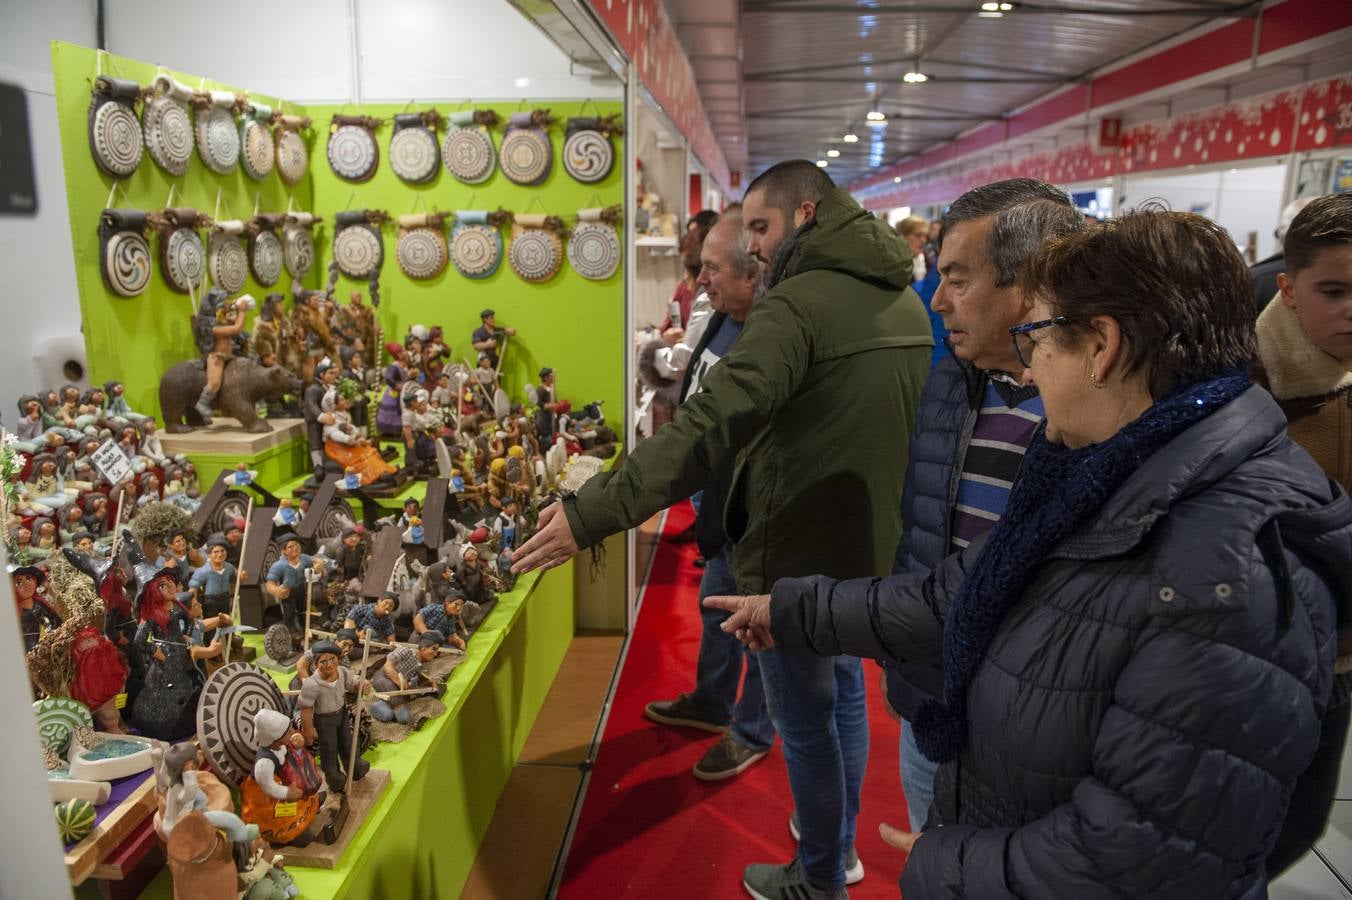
267, 662
317, 855
229, 437
84, 857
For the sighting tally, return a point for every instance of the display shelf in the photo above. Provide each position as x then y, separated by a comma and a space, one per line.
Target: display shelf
656, 242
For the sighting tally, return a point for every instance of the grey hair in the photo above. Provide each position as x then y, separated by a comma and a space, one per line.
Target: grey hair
740, 261
1020, 230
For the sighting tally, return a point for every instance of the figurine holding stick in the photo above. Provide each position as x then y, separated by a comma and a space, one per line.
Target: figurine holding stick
239, 576
356, 716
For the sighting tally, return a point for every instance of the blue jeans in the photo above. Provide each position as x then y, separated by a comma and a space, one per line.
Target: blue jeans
818, 705
917, 777
720, 665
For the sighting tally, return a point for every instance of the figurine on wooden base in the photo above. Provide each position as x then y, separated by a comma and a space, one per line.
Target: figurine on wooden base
166, 706
243, 385
316, 417
324, 717
282, 794
402, 672
345, 444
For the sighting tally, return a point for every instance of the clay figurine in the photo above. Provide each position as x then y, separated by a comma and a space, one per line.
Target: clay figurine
36, 615
282, 793
286, 580
374, 621
217, 325
166, 706
488, 337
403, 672
326, 375
345, 444
324, 717
443, 617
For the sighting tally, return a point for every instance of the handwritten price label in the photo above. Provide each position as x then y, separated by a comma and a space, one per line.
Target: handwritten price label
286, 810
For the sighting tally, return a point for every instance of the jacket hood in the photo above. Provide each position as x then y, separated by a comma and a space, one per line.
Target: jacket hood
845, 237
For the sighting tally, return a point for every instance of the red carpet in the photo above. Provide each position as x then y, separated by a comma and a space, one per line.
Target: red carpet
648, 827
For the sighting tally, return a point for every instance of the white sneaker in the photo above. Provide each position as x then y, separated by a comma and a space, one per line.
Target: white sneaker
854, 866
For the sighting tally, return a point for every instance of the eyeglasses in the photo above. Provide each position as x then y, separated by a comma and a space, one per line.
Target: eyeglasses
1023, 341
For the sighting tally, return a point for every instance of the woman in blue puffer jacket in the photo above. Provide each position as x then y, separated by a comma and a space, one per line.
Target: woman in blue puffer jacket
1137, 658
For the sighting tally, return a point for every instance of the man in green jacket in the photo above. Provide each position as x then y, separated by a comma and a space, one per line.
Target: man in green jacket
816, 403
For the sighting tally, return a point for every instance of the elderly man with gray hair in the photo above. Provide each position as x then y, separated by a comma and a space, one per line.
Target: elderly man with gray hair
731, 278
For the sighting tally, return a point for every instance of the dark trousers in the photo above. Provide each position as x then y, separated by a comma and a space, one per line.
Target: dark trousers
335, 748
290, 616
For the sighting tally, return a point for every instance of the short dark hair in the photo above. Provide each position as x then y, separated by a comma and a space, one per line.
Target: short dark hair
1021, 229
989, 199
790, 183
1174, 282
1324, 222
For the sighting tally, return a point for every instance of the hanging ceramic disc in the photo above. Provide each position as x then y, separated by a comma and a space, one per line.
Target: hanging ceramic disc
358, 250
217, 139
588, 156
126, 262
594, 250
353, 153
257, 155
265, 258
292, 160
525, 155
115, 137
421, 252
468, 153
229, 263
225, 714
298, 251
168, 134
476, 249
413, 154
535, 254
184, 259
58, 718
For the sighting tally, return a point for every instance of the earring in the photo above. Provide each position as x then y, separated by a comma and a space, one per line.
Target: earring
1094, 381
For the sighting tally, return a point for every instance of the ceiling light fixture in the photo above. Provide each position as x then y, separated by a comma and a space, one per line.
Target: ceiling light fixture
876, 115
822, 164
833, 153
896, 179
995, 10
915, 77
851, 138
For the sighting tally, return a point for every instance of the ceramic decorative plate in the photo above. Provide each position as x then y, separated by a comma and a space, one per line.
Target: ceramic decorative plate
298, 250
413, 154
229, 263
594, 250
168, 134
357, 250
588, 156
525, 155
291, 158
265, 258
115, 136
58, 717
225, 714
184, 259
126, 259
469, 153
535, 254
257, 154
217, 139
353, 153
421, 252
476, 249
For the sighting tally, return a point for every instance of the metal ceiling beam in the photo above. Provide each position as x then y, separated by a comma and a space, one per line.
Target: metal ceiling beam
801, 117
1229, 10
904, 60
933, 79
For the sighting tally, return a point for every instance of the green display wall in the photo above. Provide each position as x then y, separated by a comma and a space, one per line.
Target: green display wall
569, 323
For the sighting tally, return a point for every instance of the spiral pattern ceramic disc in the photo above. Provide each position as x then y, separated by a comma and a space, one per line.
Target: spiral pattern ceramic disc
525, 155
588, 156
421, 253
535, 254
229, 263
265, 258
291, 159
126, 261
594, 250
225, 714
357, 250
116, 139
58, 717
217, 139
353, 153
184, 260
168, 134
257, 156
413, 154
468, 153
476, 249
298, 251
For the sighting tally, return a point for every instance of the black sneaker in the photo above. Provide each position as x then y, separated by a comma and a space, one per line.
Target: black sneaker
787, 882
682, 711
726, 759
854, 866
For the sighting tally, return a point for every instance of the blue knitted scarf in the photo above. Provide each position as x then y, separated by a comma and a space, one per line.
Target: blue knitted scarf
1057, 492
